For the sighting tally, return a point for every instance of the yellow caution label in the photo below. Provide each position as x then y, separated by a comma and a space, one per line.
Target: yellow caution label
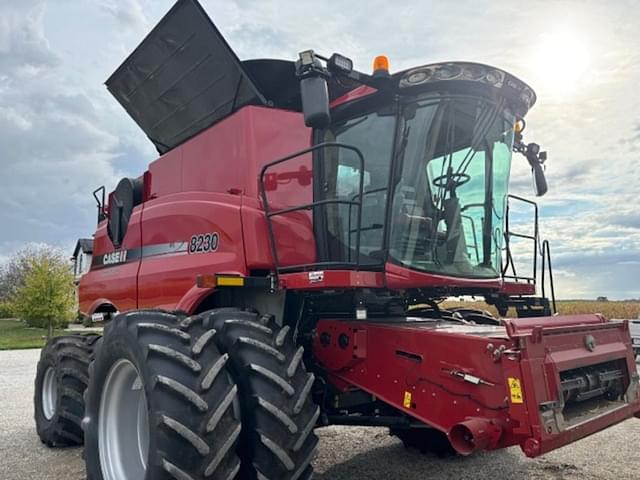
407, 400
515, 388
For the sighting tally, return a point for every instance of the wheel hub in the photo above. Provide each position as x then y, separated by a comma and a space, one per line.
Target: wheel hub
123, 424
49, 393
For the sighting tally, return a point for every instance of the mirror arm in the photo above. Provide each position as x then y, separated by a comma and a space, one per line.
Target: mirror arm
536, 160
531, 151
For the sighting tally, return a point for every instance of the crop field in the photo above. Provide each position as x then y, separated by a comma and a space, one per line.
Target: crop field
625, 309
610, 309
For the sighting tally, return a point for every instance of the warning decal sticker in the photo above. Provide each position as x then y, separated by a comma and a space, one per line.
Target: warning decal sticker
407, 400
515, 389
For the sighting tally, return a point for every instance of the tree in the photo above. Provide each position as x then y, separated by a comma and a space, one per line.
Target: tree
6, 309
45, 297
13, 273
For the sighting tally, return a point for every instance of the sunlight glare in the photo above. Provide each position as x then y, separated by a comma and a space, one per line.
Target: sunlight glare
562, 60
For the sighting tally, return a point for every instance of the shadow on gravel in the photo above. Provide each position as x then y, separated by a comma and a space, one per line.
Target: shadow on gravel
395, 462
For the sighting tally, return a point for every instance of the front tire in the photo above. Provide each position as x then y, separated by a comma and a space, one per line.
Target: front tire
160, 403
61, 380
278, 413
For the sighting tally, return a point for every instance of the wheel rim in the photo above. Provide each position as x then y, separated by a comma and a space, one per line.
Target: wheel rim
123, 437
49, 393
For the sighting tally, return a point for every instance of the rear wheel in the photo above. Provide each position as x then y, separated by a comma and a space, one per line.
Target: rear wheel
160, 403
278, 413
61, 379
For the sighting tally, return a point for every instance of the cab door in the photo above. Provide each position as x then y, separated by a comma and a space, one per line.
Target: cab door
336, 225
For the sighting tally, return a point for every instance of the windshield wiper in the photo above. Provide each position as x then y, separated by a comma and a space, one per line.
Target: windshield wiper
480, 133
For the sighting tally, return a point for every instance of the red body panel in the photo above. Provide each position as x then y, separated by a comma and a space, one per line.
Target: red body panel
355, 94
544, 351
116, 286
165, 278
418, 367
399, 277
256, 246
209, 184
518, 288
332, 279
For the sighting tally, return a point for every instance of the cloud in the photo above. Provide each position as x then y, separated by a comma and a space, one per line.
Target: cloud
633, 140
24, 49
129, 13
56, 144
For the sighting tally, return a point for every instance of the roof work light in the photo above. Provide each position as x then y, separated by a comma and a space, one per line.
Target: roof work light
340, 62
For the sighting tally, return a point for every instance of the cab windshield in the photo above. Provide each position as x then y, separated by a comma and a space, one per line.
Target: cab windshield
451, 156
449, 203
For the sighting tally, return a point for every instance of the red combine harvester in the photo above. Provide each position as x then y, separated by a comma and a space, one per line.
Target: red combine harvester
250, 300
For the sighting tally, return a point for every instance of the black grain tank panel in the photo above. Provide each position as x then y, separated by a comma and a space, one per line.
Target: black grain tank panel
277, 81
182, 78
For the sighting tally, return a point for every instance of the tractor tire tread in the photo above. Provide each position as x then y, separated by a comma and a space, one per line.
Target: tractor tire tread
278, 412
176, 360
70, 356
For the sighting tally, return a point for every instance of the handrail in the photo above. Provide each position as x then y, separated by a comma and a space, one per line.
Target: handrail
475, 235
535, 238
309, 206
541, 248
368, 192
100, 201
546, 258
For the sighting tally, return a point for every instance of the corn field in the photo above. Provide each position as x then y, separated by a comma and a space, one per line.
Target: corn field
610, 309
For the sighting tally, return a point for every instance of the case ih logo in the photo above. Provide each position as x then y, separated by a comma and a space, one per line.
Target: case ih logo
114, 257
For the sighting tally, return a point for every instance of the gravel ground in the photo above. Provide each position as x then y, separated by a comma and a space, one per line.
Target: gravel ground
346, 453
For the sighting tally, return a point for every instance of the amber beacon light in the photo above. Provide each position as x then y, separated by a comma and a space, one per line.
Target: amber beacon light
381, 66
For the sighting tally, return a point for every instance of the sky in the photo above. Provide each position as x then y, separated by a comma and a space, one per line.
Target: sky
62, 134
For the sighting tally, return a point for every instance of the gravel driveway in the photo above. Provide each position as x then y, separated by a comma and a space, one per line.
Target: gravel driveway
346, 453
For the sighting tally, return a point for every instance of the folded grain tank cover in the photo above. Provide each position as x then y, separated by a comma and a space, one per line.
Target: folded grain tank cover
182, 78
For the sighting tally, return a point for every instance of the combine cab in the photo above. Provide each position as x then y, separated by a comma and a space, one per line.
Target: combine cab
282, 266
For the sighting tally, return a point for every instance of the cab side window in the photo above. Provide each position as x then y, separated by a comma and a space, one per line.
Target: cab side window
373, 135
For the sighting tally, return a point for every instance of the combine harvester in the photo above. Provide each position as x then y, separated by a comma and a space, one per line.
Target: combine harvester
281, 267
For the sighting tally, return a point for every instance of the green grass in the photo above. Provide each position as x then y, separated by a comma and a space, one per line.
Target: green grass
15, 335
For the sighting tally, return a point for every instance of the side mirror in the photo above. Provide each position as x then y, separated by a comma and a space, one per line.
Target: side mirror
315, 101
313, 89
539, 180
536, 158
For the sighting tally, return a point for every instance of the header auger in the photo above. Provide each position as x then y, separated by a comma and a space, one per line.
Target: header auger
282, 265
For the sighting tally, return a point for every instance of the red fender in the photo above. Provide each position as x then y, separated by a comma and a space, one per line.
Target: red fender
96, 304
192, 299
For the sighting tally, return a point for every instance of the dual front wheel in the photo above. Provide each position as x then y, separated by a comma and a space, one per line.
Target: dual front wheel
221, 395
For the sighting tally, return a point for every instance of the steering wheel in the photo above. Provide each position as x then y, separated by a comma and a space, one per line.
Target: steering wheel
451, 181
